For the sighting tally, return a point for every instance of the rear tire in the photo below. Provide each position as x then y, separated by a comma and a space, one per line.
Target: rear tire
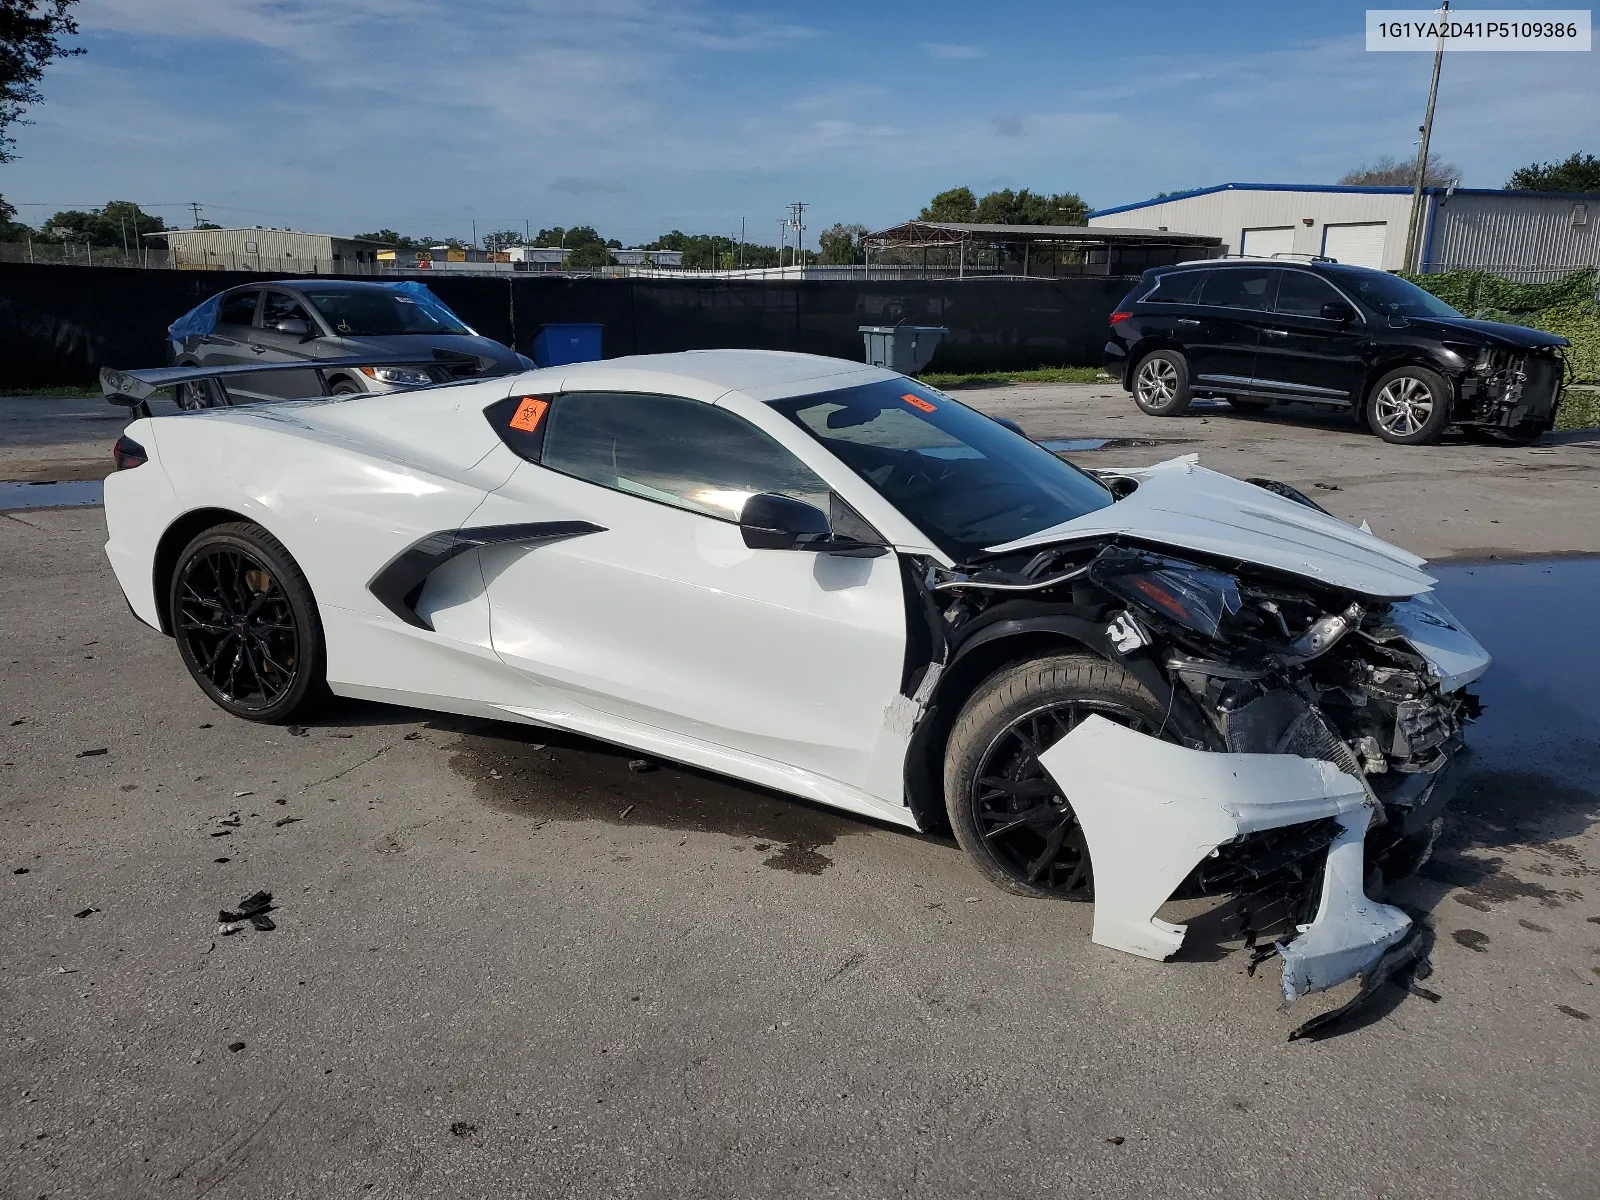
1006, 812
246, 624
1410, 406
1161, 384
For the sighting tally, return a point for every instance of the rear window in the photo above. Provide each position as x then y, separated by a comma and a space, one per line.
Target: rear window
238, 308
1303, 295
1238, 287
1178, 287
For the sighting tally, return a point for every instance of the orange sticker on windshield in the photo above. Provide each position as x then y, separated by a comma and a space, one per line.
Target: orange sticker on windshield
529, 413
917, 402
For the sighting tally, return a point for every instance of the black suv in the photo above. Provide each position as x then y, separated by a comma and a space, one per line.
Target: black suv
1259, 332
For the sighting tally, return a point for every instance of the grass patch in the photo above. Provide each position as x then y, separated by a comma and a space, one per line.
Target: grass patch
1580, 409
75, 392
997, 378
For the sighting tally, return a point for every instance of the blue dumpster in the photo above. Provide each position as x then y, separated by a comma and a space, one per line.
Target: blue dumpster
557, 345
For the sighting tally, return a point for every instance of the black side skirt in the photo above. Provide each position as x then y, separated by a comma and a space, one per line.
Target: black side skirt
398, 586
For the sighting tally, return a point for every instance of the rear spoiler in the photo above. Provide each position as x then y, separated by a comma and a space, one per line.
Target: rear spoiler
133, 390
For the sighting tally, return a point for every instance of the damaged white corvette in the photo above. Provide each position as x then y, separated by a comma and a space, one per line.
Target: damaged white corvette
1128, 686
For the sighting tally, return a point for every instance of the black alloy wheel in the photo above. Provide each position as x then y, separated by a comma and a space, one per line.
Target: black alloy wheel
246, 625
1008, 814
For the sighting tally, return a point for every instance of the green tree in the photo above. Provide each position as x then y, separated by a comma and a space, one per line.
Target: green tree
841, 243
1388, 171
589, 254
11, 229
119, 222
31, 33
957, 204
1578, 173
502, 240
1031, 208
390, 237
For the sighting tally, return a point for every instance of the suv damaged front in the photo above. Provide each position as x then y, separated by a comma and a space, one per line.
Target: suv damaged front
1315, 698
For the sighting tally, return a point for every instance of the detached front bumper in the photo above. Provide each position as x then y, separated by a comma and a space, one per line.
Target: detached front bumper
1153, 812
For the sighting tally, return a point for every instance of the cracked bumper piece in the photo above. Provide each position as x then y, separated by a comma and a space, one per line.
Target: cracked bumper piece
1152, 811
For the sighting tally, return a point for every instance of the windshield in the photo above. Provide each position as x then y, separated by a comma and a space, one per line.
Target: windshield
1391, 295
965, 480
379, 312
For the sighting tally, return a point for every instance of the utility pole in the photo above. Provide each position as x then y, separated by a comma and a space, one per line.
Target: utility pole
1414, 231
196, 206
797, 222
741, 243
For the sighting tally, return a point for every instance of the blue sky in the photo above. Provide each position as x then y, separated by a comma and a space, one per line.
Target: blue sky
637, 117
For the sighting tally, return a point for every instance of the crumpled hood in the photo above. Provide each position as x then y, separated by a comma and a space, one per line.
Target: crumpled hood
1182, 505
1491, 333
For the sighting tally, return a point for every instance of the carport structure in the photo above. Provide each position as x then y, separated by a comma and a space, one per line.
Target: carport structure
1039, 250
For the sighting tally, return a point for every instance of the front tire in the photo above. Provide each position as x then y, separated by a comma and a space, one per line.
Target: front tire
1410, 406
246, 624
1007, 813
1161, 384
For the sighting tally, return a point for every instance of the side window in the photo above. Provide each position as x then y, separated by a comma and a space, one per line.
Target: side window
1176, 287
238, 308
280, 306
674, 451
1303, 294
1238, 287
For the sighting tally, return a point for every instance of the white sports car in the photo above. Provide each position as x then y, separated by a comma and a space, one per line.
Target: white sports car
832, 580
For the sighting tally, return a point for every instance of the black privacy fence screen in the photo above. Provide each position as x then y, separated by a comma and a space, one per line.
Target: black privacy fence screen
60, 325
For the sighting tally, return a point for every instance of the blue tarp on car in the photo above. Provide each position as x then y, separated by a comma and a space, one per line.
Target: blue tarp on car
202, 319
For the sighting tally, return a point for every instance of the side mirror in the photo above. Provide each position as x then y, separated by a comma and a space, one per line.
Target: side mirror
294, 327
1011, 425
772, 522
1337, 310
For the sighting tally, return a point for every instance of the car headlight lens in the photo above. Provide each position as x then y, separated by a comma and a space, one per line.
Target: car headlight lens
409, 376
1191, 596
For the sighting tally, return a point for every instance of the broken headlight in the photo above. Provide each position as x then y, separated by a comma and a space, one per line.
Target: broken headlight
1194, 597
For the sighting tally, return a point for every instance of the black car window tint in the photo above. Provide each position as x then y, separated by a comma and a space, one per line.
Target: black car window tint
963, 478
377, 312
1237, 287
674, 451
238, 308
1179, 287
280, 306
1302, 294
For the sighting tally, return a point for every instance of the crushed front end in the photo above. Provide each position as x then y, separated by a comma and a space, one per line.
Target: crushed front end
1512, 388
1306, 760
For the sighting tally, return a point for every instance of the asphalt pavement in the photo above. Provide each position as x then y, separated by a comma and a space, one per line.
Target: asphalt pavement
506, 964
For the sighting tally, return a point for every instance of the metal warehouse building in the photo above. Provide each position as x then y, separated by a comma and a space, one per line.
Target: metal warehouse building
257, 249
1521, 235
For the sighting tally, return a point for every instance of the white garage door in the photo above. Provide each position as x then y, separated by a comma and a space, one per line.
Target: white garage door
1359, 245
1264, 243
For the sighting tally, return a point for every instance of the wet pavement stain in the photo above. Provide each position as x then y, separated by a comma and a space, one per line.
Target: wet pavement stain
1472, 939
552, 775
1514, 810
1524, 808
1486, 881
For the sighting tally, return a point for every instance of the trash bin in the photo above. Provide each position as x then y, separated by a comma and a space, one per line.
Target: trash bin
903, 348
557, 345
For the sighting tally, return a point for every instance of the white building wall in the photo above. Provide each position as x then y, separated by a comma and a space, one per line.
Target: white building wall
1533, 237
1228, 214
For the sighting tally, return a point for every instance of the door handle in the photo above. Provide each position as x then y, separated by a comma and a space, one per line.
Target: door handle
1275, 333
1187, 321
258, 349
